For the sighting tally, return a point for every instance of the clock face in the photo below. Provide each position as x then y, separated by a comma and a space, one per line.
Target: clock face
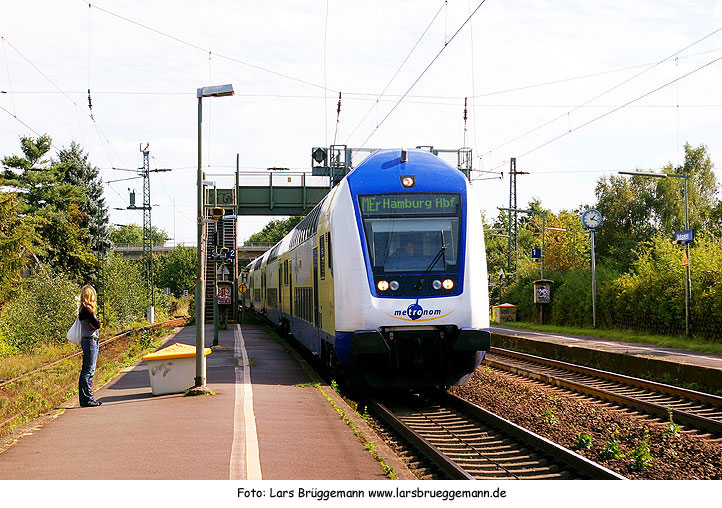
592, 219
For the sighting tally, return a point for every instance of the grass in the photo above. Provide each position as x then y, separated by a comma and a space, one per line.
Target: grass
672, 341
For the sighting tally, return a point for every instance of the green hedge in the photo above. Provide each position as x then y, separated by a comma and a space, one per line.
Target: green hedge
650, 297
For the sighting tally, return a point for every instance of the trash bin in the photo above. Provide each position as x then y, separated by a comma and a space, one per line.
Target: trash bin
505, 312
172, 369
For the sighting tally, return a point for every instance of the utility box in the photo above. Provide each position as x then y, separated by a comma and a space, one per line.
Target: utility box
505, 312
172, 369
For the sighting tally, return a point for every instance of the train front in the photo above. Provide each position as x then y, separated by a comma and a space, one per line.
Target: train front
414, 302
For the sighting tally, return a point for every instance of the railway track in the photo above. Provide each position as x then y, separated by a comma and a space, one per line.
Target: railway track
467, 442
697, 410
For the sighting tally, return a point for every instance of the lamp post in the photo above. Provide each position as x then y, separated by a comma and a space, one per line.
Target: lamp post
200, 296
687, 279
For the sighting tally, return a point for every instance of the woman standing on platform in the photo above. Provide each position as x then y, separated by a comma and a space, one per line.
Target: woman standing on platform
89, 343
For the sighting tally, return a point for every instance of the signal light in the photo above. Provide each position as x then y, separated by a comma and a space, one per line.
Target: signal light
448, 284
383, 285
217, 212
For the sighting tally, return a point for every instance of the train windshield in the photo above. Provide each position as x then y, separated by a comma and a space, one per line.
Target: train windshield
405, 232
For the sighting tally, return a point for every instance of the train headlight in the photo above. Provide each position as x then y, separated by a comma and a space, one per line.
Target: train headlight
383, 285
394, 285
436, 284
448, 284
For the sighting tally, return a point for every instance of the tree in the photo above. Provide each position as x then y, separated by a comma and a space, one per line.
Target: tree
701, 192
569, 249
55, 205
627, 205
82, 174
636, 209
133, 233
18, 242
177, 270
275, 230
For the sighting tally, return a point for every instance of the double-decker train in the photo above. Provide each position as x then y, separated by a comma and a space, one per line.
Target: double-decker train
385, 279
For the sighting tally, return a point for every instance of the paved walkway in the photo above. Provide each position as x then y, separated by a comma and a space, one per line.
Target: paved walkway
273, 428
707, 360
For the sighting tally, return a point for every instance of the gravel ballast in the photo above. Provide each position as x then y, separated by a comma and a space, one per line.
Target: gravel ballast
562, 416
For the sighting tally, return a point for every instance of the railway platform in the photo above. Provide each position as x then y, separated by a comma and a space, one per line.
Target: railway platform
264, 421
703, 371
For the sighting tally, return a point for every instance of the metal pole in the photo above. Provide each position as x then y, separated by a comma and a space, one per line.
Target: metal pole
594, 283
688, 280
512, 175
544, 216
215, 272
200, 379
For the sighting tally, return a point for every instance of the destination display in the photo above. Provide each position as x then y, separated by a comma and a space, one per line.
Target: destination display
407, 203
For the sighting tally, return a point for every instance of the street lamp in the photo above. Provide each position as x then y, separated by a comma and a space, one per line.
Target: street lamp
200, 379
687, 281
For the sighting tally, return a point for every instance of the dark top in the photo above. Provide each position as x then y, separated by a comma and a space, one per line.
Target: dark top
89, 323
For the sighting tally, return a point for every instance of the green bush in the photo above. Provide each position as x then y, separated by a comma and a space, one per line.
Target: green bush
125, 293
126, 296
41, 314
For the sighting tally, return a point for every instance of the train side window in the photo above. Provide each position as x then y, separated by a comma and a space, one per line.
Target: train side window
322, 256
285, 273
330, 251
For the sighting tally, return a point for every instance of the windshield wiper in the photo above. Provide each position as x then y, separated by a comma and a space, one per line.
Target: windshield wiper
442, 252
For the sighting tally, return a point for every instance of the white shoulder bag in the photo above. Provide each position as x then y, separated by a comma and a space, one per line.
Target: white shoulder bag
73, 334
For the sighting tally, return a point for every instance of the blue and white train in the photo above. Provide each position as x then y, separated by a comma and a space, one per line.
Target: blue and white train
385, 279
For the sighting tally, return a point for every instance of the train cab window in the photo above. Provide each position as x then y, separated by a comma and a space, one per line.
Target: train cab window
405, 232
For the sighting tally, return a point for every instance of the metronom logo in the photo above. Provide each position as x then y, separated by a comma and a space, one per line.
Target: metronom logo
415, 312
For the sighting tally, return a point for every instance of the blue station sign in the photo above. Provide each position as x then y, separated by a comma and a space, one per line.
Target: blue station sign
684, 236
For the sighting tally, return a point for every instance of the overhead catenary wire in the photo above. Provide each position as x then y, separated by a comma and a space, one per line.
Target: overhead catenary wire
605, 92
378, 96
618, 108
204, 50
101, 135
10, 82
446, 44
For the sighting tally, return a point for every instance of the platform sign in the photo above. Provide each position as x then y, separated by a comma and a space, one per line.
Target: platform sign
224, 294
536, 253
682, 237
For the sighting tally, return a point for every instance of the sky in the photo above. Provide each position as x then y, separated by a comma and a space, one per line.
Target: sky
575, 90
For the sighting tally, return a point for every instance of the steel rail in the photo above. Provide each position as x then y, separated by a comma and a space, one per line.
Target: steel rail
454, 470
680, 416
581, 464
432, 453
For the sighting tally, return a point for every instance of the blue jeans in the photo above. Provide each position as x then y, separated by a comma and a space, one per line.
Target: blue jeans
87, 371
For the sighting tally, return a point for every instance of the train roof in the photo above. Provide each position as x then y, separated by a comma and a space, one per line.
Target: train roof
381, 172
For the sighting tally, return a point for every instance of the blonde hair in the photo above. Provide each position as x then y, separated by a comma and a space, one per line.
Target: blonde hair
88, 298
